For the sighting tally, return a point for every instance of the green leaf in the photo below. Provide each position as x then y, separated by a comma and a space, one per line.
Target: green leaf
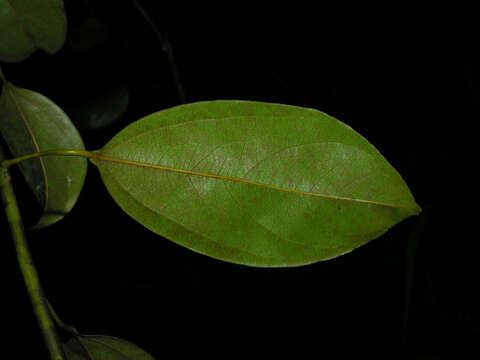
27, 25
254, 183
31, 123
102, 347
102, 110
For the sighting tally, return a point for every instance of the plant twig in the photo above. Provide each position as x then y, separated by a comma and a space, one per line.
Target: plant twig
2, 77
83, 153
167, 49
65, 327
69, 329
30, 276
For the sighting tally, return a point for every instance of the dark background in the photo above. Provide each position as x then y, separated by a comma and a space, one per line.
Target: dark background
403, 75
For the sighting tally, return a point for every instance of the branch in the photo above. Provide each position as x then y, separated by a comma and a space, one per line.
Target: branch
2, 77
167, 49
30, 276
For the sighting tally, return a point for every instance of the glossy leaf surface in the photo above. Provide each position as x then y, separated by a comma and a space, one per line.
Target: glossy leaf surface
27, 25
254, 183
30, 123
102, 347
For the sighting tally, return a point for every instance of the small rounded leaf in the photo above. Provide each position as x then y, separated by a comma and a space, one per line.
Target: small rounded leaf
102, 347
27, 25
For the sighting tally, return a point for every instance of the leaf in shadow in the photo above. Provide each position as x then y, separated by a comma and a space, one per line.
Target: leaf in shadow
31, 123
102, 110
88, 35
102, 347
254, 183
27, 25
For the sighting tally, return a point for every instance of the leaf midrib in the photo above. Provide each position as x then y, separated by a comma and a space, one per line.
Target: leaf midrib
33, 138
99, 157
235, 179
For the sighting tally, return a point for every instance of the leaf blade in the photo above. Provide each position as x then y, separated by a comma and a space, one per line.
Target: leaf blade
27, 25
30, 123
283, 147
101, 110
102, 347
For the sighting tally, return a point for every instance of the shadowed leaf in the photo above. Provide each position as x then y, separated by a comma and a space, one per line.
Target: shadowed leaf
254, 183
88, 35
31, 123
102, 110
27, 25
102, 347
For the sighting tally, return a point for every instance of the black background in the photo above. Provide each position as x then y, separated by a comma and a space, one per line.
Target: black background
402, 74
